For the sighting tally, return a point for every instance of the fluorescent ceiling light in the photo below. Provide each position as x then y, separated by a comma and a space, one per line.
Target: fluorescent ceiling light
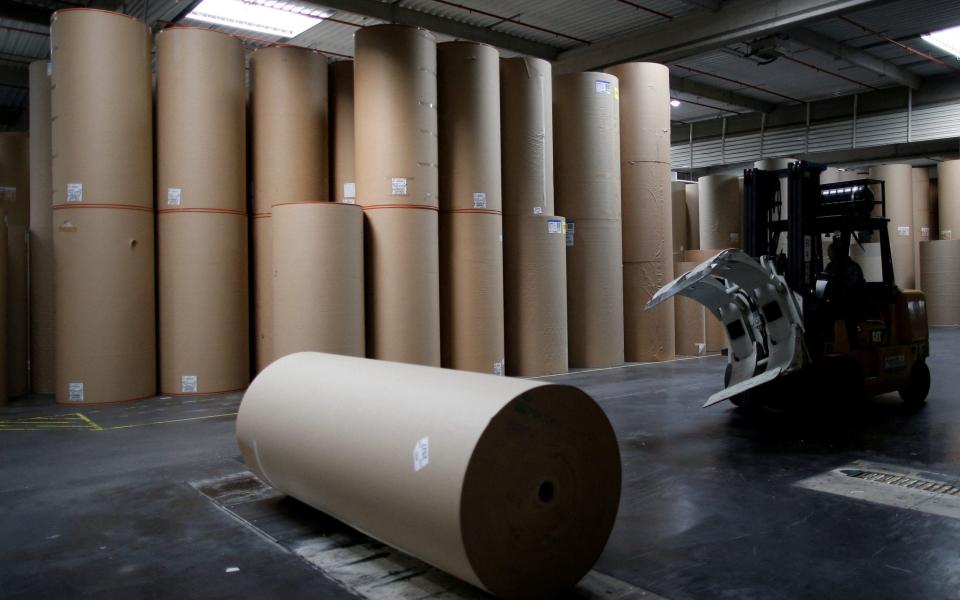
945, 39
273, 17
674, 103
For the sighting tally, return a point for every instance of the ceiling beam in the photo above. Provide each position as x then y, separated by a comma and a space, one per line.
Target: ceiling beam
392, 13
735, 21
855, 56
702, 90
705, 4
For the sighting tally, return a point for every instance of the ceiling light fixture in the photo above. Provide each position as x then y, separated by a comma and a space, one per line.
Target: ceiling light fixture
272, 17
945, 39
674, 103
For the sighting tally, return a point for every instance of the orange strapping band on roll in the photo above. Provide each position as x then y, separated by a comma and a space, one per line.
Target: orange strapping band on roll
485, 211
417, 206
120, 206
262, 215
226, 211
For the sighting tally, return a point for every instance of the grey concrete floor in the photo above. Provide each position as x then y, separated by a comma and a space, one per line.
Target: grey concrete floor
96, 501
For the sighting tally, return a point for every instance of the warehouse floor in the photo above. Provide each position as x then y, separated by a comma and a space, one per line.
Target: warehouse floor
117, 499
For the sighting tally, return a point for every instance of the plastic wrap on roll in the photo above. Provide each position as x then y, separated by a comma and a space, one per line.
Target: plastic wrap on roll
586, 146
690, 320
318, 278
535, 295
469, 119
948, 199
471, 292
649, 334
15, 195
526, 131
693, 216
508, 484
898, 185
343, 186
645, 112
720, 211
940, 273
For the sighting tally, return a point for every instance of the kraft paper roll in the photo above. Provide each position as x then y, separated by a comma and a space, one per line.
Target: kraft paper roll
471, 292
318, 278
469, 120
526, 130
940, 268
720, 211
535, 295
15, 196
678, 218
3, 306
868, 257
898, 180
203, 290
510, 485
262, 259
42, 379
690, 320
586, 146
948, 199
649, 334
403, 285
715, 332
288, 88
395, 69
922, 221
201, 121
594, 293
343, 186
693, 216
647, 213
645, 111
934, 211
102, 109
105, 307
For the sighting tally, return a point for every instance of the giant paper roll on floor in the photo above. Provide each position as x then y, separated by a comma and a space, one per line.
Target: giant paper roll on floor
690, 320
15, 195
940, 269
948, 199
510, 485
471, 292
318, 278
693, 216
898, 184
648, 334
526, 130
535, 295
343, 187
647, 212
720, 211
41, 233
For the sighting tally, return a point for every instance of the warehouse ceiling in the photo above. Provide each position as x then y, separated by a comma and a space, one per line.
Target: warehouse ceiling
727, 57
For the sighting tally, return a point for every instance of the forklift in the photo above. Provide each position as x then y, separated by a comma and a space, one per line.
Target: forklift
798, 320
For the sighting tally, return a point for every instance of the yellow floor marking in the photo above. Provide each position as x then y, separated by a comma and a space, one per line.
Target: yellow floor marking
69, 421
233, 414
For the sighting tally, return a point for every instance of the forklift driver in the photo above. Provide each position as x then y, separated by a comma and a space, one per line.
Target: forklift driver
845, 272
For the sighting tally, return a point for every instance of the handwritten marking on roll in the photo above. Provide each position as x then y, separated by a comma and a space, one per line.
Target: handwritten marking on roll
421, 453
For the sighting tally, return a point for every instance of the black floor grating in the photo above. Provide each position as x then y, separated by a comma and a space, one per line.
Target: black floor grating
924, 485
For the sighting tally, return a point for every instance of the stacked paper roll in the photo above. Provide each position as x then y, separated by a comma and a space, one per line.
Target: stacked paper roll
42, 379
898, 180
201, 211
868, 256
720, 211
468, 472
647, 208
397, 184
15, 195
587, 174
715, 334
693, 216
948, 199
103, 207
934, 210
678, 193
691, 320
290, 120
343, 187
318, 278
922, 220
535, 279
471, 230
940, 272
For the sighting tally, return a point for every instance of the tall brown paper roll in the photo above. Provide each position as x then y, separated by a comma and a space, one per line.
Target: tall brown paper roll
940, 268
468, 472
106, 327
595, 293
693, 216
42, 380
678, 218
318, 278
649, 334
343, 186
102, 109
647, 213
535, 295
645, 112
526, 129
948, 199
922, 221
586, 146
15, 195
403, 285
715, 333
899, 199
690, 320
262, 258
471, 292
203, 308
469, 118
720, 211
395, 116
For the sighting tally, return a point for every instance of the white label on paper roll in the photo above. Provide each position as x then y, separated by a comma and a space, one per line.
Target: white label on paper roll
903, 230
188, 384
538, 210
946, 234
479, 200
74, 192
554, 226
398, 186
49, 68
421, 454
925, 232
173, 196
604, 87
735, 237
349, 191
498, 368
75, 392
571, 227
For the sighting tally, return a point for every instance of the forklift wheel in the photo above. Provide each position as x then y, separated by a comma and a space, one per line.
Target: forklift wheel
914, 392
